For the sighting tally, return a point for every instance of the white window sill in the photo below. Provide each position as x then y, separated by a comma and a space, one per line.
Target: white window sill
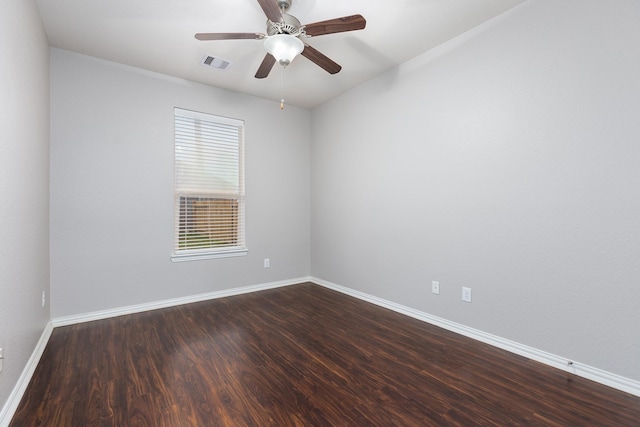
195, 256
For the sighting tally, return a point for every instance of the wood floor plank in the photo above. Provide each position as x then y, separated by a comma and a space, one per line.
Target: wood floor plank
300, 355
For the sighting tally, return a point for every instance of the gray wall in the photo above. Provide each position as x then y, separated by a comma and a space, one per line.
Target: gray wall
112, 187
508, 161
24, 186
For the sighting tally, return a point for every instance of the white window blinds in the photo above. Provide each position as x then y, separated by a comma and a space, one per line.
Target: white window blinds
209, 186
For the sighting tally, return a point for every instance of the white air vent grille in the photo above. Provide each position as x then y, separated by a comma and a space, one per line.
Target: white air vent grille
215, 62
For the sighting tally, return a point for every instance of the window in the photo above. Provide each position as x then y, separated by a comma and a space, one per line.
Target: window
209, 186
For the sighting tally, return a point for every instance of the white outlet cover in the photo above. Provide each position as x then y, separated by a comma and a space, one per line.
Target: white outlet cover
466, 294
435, 287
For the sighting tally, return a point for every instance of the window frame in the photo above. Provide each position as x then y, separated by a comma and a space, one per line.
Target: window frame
209, 196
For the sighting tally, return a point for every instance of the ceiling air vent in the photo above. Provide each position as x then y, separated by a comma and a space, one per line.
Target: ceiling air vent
213, 62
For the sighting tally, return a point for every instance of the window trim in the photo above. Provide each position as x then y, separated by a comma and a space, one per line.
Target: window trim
219, 252
208, 254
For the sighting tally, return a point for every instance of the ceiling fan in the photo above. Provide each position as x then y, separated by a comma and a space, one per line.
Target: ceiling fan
285, 34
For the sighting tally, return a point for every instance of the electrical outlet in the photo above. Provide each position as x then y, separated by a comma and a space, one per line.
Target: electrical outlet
267, 263
435, 287
466, 294
44, 298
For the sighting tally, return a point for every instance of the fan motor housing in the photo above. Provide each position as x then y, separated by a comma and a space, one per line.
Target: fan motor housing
289, 25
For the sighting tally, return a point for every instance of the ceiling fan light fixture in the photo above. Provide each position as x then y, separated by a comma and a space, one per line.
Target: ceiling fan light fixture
284, 47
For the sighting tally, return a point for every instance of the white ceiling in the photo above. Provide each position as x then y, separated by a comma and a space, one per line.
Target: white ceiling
158, 35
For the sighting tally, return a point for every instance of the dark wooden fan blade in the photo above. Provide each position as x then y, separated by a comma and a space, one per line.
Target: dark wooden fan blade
320, 60
229, 36
270, 8
265, 68
337, 25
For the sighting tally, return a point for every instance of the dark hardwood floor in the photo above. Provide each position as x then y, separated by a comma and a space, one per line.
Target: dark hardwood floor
301, 355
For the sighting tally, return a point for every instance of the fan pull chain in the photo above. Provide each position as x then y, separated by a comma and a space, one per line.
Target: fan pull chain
282, 88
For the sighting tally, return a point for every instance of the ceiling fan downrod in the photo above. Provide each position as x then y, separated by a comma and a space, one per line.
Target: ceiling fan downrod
283, 4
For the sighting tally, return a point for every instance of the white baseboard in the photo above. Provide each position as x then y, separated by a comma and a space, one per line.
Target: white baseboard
13, 401
138, 308
598, 375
